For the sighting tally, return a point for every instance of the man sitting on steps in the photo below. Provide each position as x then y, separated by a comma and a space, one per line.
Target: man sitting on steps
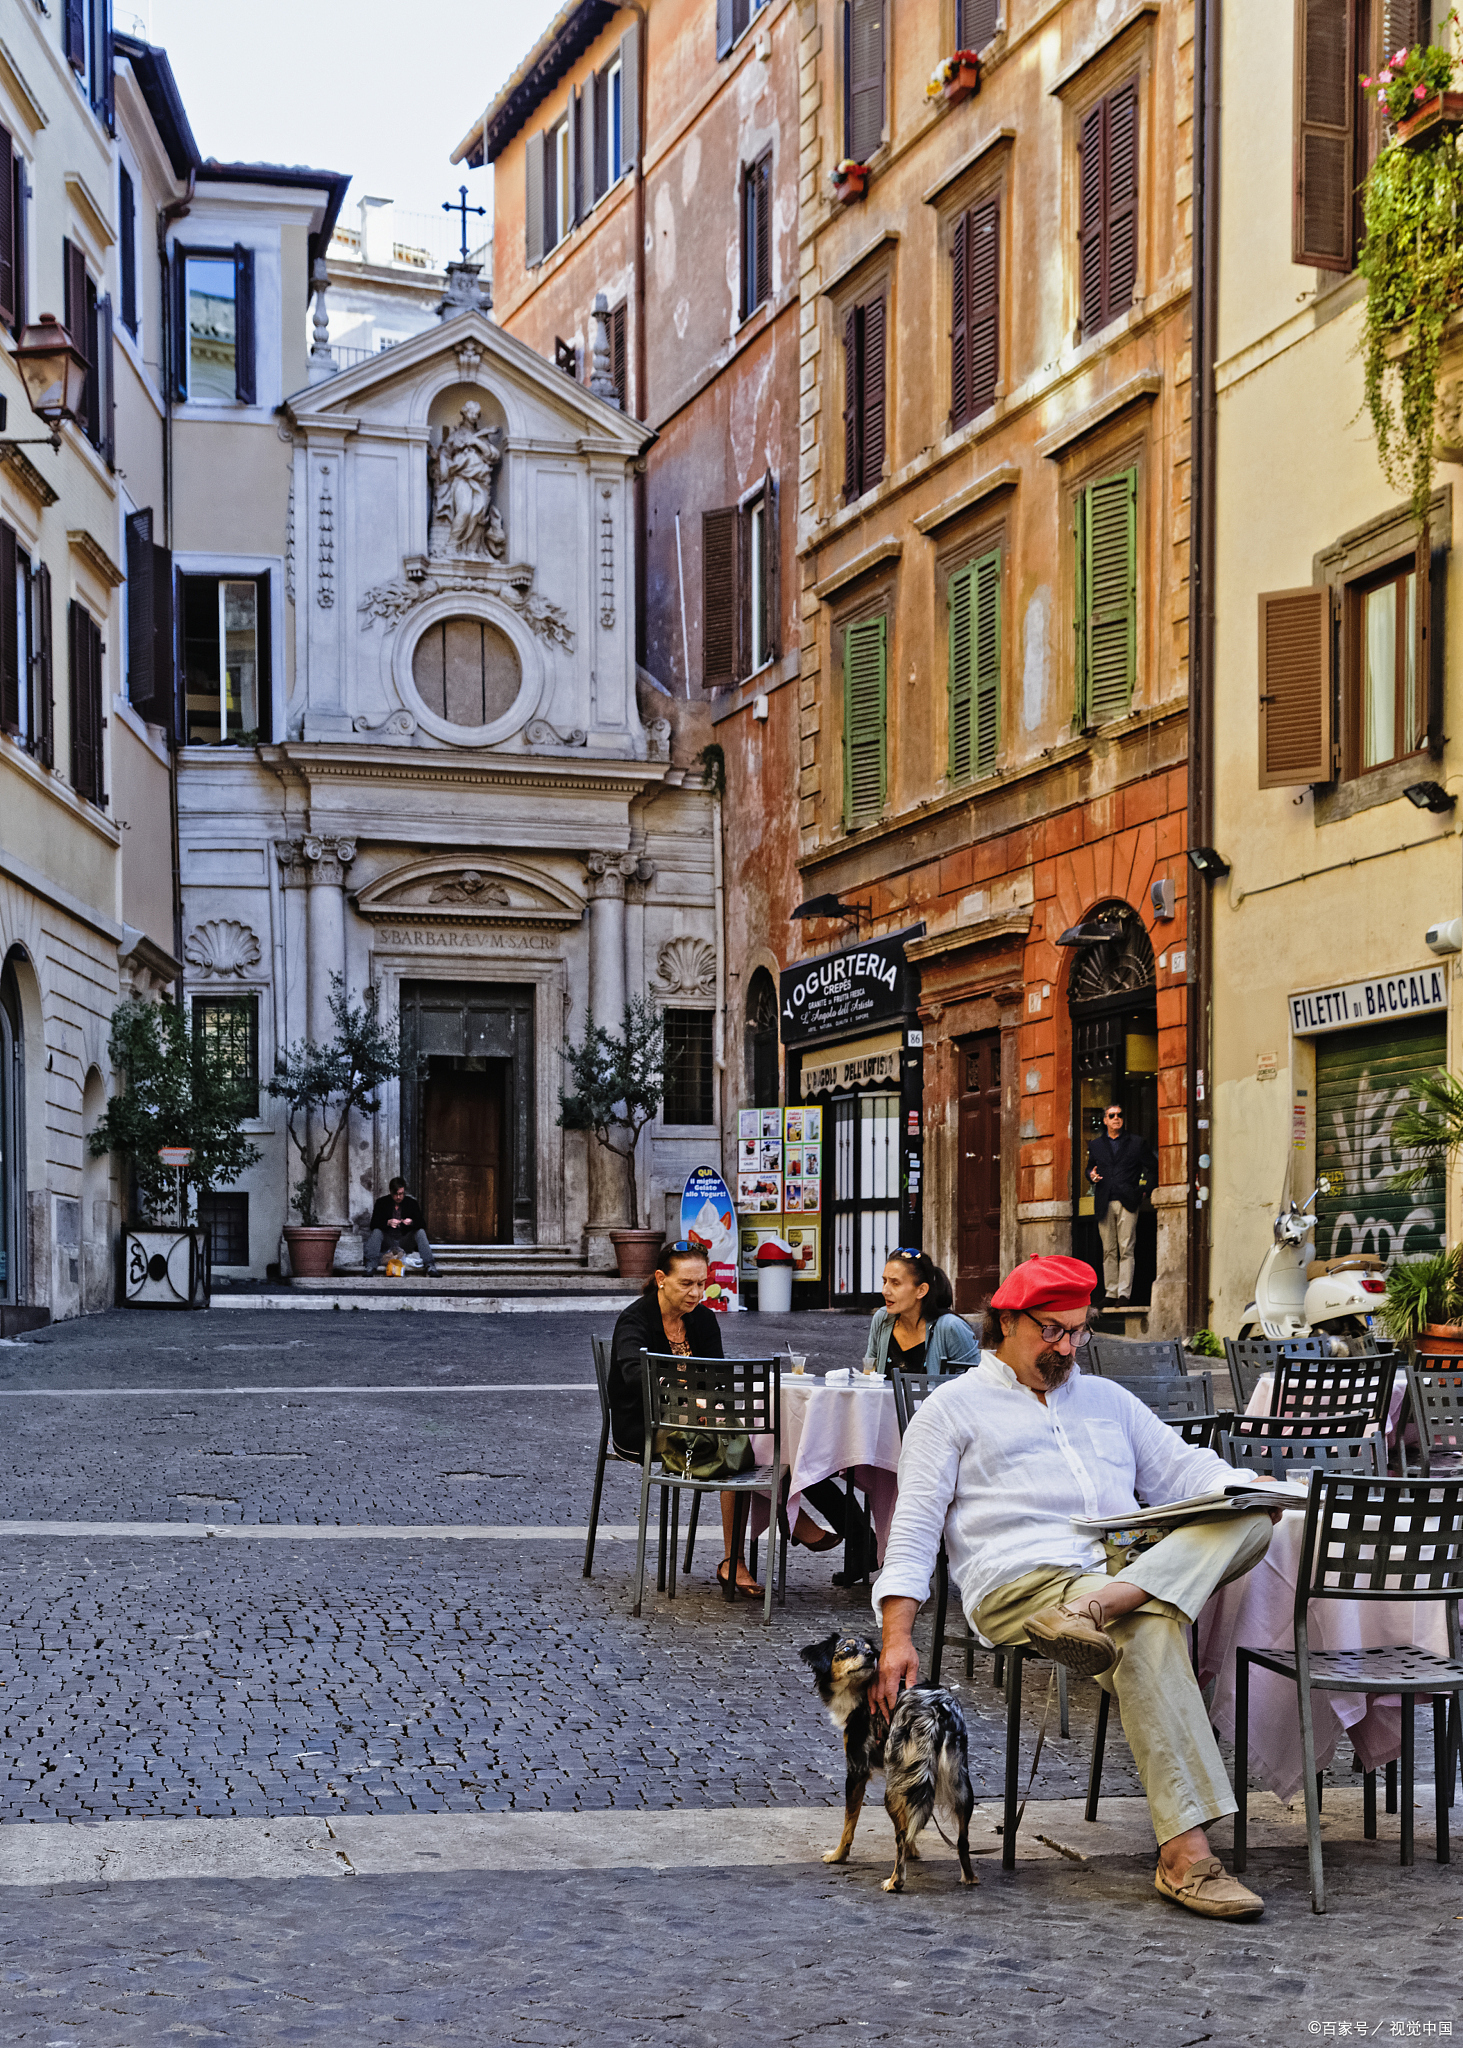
396, 1218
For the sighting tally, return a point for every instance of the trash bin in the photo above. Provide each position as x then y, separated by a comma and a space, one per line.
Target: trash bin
776, 1261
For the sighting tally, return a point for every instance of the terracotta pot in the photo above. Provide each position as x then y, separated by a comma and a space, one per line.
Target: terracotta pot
849, 188
636, 1252
962, 85
1442, 1340
312, 1249
1438, 116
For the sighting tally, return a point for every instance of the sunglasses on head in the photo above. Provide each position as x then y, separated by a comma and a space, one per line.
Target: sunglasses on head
684, 1244
1053, 1333
906, 1251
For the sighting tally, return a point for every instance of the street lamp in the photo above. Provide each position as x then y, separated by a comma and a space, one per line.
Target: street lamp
54, 371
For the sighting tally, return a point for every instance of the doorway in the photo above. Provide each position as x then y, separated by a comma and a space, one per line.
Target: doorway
12, 1159
1113, 1001
467, 1109
978, 1245
865, 1205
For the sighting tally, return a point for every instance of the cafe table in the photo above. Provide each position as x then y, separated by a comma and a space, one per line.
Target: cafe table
829, 1428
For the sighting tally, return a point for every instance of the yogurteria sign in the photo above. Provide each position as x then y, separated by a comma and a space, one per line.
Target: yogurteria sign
862, 985
1369, 1002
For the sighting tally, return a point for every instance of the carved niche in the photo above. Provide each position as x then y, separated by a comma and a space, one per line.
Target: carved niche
222, 946
465, 524
685, 966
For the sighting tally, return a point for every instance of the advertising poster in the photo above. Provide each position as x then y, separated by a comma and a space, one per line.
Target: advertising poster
748, 1124
806, 1244
759, 1194
709, 1218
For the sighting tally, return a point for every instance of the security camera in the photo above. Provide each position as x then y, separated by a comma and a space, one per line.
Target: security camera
1446, 938
1162, 894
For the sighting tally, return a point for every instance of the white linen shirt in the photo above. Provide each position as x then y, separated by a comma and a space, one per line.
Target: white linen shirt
1000, 1476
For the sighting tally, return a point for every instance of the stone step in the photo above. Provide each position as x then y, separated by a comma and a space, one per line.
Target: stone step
515, 1280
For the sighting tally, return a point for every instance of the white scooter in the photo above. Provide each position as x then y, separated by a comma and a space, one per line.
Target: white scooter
1298, 1295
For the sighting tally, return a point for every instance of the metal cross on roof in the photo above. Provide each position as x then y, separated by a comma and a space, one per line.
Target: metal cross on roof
460, 205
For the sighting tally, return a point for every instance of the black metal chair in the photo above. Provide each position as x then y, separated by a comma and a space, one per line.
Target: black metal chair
1435, 1407
720, 1397
911, 1391
1369, 1539
1125, 1358
1309, 1388
1179, 1399
602, 1348
1203, 1431
1296, 1457
1250, 1358
1291, 1426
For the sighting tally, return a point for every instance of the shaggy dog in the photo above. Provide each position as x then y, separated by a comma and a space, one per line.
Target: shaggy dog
921, 1750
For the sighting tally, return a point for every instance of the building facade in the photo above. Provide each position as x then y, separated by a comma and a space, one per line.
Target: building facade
1335, 696
991, 581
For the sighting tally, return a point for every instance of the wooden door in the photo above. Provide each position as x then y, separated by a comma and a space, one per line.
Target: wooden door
463, 1130
978, 1272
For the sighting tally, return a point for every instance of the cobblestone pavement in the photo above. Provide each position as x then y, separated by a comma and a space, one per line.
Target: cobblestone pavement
154, 1678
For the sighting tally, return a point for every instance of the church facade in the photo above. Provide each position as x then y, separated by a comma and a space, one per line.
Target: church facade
454, 787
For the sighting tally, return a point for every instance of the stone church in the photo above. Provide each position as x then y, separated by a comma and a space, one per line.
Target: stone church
463, 793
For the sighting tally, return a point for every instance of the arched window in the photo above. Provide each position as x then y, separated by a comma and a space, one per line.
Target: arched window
761, 1042
466, 671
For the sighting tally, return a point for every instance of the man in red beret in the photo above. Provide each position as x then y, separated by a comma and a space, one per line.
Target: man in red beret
997, 1463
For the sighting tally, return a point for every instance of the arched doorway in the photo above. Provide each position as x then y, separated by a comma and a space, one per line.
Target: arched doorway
763, 1090
12, 1136
1113, 1000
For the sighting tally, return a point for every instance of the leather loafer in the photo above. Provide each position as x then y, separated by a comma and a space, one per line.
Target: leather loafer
1206, 1887
1074, 1636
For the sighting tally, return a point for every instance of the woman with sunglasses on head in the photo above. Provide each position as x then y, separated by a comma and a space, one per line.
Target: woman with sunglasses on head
917, 1330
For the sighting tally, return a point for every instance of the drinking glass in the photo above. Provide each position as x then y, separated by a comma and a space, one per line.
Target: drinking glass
797, 1360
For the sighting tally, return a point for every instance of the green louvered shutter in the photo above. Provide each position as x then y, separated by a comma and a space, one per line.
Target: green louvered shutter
864, 703
962, 669
1107, 598
975, 667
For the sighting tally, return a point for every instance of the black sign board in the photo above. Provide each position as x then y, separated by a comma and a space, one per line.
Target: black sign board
864, 984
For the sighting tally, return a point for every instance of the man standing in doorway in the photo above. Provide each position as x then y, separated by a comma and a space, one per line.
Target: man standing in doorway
1117, 1162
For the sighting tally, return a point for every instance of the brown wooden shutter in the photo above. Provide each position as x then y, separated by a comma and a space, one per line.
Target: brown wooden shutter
1432, 584
1325, 144
852, 395
73, 286
10, 676
141, 612
983, 324
8, 237
863, 50
43, 666
1089, 223
977, 23
771, 571
872, 451
22, 244
1295, 687
591, 140
1120, 232
720, 598
74, 34
127, 234
244, 385
762, 277
617, 354
106, 383
533, 200
960, 323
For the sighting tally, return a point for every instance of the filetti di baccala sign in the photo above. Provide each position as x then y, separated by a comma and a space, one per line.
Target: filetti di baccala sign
844, 991
1390, 997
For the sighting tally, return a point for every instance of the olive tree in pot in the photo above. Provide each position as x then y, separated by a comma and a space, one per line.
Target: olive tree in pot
617, 1084
320, 1085
182, 1089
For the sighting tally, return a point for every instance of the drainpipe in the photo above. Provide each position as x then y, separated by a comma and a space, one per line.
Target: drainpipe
1203, 340
642, 517
175, 210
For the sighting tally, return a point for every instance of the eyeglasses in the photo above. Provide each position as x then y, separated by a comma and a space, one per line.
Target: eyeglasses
1053, 1333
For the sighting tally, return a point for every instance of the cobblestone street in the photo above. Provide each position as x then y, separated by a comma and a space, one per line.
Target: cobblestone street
202, 1689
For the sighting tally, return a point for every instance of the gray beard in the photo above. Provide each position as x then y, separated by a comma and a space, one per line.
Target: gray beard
1055, 1370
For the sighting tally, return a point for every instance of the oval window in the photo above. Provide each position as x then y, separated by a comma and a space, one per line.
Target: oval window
466, 671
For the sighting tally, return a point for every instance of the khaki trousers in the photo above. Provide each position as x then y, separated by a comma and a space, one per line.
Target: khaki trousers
1118, 1230
1158, 1696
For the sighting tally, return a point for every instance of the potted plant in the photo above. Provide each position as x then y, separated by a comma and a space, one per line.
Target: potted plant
182, 1093
1412, 89
320, 1085
617, 1083
1424, 1298
849, 180
1205, 1344
955, 78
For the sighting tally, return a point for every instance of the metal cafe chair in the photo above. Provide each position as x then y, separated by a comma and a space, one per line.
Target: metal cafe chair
721, 1397
1250, 1358
1307, 1388
1296, 1457
911, 1391
1368, 1539
1272, 1426
602, 1348
1435, 1406
1172, 1400
1128, 1358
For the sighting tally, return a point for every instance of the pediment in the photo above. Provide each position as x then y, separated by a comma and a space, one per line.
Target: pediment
463, 889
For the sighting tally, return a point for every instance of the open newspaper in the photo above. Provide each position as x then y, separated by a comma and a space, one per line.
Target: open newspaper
1242, 1498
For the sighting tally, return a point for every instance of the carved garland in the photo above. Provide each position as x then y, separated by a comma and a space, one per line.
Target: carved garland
389, 602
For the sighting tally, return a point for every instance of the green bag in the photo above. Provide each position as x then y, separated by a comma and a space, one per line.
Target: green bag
702, 1454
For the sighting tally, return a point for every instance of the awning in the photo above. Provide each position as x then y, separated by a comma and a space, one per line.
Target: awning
857, 1062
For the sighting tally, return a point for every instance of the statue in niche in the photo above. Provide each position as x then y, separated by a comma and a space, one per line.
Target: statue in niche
460, 470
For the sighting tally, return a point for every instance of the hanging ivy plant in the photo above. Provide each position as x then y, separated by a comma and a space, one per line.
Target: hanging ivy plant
1412, 260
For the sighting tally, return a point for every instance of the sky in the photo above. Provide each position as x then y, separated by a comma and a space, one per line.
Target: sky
338, 85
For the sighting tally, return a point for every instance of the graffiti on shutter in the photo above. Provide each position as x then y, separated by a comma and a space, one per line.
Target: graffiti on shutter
1362, 1079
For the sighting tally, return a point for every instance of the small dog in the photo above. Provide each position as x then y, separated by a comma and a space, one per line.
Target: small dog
921, 1751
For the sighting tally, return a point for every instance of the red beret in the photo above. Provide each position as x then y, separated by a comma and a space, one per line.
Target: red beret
1061, 1286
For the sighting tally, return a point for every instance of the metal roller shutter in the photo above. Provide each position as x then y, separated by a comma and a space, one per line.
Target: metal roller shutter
1362, 1080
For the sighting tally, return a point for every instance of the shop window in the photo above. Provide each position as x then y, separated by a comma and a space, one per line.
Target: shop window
863, 397
1107, 599
975, 667
229, 1026
865, 720
739, 588
214, 325
975, 262
1107, 231
757, 234
1338, 127
225, 650
863, 78
226, 1219
688, 1068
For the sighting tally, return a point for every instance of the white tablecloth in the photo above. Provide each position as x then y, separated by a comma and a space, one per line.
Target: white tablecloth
1264, 1394
828, 1430
1258, 1612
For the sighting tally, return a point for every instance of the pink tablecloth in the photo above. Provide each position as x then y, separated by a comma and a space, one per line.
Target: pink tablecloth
828, 1430
1258, 1612
1264, 1394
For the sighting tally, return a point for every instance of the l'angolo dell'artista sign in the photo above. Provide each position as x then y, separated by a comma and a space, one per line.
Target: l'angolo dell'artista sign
861, 985
1369, 1002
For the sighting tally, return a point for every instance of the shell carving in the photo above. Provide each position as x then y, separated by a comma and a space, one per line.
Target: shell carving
222, 946
686, 967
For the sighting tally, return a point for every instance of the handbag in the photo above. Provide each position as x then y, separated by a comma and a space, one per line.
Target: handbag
703, 1454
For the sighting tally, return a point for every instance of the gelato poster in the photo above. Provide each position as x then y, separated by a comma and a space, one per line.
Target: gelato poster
709, 1218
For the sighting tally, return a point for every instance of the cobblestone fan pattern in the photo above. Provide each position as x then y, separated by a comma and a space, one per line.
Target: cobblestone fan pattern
1052, 1953
299, 1677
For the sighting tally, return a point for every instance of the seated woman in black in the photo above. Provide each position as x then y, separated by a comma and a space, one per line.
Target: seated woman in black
670, 1317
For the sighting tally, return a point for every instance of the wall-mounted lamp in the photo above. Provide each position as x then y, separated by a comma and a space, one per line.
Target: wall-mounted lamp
830, 907
1092, 932
759, 708
54, 372
1429, 796
1205, 861
1162, 896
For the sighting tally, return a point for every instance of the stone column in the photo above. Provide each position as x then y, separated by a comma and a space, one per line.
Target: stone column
326, 863
607, 1199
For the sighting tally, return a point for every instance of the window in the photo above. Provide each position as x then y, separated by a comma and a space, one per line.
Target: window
865, 705
149, 622
976, 22
975, 301
863, 398
975, 667
88, 319
12, 234
15, 637
127, 235
757, 234
86, 38
84, 649
570, 166
688, 1068
226, 1219
1388, 715
863, 78
1107, 598
225, 651
1338, 127
733, 17
214, 325
558, 184
1107, 232
739, 588
466, 671
229, 1025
